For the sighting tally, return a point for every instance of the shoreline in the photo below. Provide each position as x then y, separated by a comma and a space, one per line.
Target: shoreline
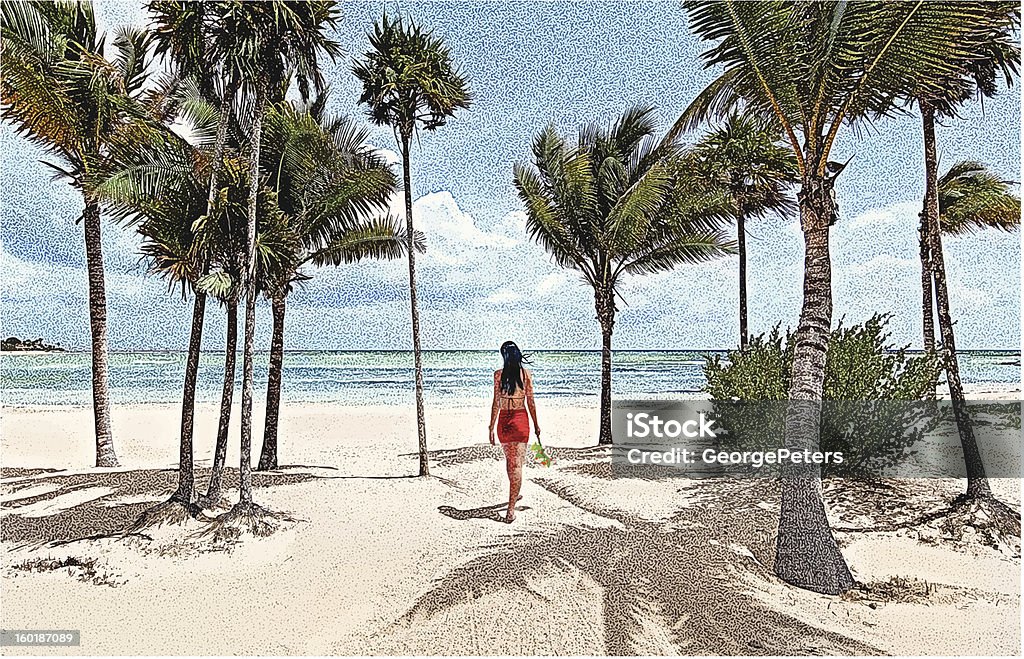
999, 391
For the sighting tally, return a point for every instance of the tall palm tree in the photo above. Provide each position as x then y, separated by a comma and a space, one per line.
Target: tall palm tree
618, 202
409, 82
332, 188
150, 179
184, 34
990, 47
270, 43
60, 92
814, 68
745, 156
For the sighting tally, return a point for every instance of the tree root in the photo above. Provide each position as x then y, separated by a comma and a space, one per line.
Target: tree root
244, 518
983, 520
173, 512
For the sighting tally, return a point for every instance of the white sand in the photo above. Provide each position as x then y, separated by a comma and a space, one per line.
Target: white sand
592, 565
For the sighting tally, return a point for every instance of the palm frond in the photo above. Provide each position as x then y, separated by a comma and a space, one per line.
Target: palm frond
678, 250
381, 239
972, 198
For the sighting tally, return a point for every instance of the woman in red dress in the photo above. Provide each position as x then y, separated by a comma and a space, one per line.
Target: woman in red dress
513, 396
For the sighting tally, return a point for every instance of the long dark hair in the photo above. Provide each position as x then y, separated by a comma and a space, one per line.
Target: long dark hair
512, 370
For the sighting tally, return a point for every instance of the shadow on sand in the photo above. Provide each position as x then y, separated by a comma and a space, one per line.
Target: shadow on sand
492, 512
688, 570
57, 507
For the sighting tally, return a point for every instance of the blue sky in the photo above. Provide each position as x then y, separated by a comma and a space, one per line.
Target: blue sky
533, 63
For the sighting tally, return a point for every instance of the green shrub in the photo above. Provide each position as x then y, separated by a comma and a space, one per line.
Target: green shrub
865, 413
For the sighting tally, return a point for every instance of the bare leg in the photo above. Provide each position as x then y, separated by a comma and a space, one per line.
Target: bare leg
514, 455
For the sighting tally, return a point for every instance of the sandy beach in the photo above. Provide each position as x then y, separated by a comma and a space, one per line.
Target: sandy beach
374, 561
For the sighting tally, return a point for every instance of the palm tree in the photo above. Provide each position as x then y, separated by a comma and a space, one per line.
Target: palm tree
409, 83
618, 202
330, 185
151, 179
184, 33
270, 42
814, 68
745, 156
63, 95
990, 48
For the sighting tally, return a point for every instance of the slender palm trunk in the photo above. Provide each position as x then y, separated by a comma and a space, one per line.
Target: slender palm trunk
245, 465
927, 299
421, 421
604, 302
268, 455
927, 295
186, 470
806, 552
741, 239
97, 325
186, 492
977, 482
105, 455
220, 452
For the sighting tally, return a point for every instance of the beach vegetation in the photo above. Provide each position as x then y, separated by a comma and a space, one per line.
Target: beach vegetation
61, 92
158, 183
865, 415
194, 41
334, 190
987, 49
746, 157
271, 44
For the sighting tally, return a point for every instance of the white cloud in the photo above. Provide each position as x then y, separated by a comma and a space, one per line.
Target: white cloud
551, 283
900, 213
390, 157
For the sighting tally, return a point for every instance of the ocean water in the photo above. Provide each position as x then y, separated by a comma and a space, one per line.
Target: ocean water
386, 377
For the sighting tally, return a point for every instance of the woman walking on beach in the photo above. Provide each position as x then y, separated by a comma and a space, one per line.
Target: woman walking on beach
513, 396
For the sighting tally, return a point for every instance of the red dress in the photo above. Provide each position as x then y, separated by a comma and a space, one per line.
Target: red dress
513, 426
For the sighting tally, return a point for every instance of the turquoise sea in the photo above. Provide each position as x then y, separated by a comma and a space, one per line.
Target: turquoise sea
386, 377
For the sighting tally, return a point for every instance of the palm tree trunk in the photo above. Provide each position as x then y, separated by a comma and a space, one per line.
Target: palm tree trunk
421, 420
927, 304
227, 394
105, 455
245, 465
806, 552
268, 455
220, 449
186, 492
977, 482
927, 296
604, 302
741, 239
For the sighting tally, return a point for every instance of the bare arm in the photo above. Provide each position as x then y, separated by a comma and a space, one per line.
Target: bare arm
495, 406
531, 404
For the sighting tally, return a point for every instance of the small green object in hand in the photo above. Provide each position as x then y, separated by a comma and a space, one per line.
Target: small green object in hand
540, 455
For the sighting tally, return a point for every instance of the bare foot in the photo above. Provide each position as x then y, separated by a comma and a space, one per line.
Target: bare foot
510, 517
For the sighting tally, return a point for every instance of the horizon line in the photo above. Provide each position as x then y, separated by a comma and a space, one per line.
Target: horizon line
367, 350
